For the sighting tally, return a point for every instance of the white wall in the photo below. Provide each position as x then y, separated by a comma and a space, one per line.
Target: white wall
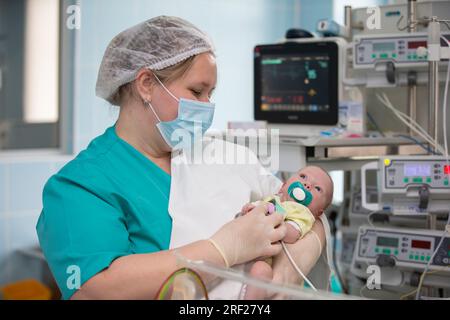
235, 27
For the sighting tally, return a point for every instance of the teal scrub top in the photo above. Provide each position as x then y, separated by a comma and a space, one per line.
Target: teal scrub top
110, 201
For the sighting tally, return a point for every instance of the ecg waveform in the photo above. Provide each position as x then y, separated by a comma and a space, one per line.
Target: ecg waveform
295, 83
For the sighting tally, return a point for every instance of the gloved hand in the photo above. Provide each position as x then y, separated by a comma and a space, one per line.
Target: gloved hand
247, 208
253, 235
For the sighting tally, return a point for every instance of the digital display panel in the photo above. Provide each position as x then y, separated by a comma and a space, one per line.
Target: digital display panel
384, 46
446, 169
295, 83
417, 170
420, 244
416, 44
387, 242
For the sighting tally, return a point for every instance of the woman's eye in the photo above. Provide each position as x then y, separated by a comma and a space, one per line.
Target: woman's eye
196, 93
318, 188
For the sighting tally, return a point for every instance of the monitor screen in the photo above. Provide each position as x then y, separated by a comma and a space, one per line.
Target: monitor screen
296, 83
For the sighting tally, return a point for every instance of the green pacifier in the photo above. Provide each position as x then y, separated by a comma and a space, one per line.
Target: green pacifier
300, 194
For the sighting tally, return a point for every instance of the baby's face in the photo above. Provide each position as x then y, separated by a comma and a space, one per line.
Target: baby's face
316, 181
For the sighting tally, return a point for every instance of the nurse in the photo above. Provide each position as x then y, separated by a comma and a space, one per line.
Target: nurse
105, 227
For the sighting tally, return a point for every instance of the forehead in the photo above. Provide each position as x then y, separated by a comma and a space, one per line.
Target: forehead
318, 173
203, 69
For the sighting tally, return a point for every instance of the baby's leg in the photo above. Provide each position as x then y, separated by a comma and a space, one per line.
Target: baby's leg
260, 270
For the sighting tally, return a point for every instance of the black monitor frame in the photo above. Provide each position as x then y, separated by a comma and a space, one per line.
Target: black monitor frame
330, 48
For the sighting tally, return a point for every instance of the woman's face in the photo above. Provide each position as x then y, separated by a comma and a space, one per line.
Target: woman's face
198, 83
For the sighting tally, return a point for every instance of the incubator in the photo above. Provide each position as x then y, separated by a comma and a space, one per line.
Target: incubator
200, 280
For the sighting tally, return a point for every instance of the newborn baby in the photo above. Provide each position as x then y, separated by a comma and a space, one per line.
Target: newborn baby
302, 199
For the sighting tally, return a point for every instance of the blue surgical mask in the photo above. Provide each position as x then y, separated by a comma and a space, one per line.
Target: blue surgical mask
299, 193
194, 118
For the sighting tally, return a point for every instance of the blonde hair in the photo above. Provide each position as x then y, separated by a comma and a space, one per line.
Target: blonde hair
166, 75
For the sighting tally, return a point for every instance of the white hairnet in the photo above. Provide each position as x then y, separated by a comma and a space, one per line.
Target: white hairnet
155, 44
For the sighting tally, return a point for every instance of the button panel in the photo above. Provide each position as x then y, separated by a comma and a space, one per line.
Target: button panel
402, 173
408, 248
398, 49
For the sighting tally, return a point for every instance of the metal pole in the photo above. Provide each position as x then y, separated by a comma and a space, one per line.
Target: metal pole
412, 75
433, 92
348, 21
433, 77
433, 43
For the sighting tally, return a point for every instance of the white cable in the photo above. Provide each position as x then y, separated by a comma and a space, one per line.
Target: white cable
431, 259
444, 105
388, 104
385, 100
291, 260
444, 115
413, 125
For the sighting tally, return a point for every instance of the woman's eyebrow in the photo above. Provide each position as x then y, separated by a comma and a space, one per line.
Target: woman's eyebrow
204, 84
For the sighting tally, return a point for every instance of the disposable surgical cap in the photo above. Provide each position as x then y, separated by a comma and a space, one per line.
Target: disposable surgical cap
155, 44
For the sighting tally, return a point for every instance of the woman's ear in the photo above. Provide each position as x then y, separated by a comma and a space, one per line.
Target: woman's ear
144, 84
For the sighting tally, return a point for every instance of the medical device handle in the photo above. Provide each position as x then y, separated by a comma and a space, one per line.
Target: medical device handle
347, 79
369, 206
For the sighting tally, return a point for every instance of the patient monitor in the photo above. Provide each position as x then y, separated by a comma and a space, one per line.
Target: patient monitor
298, 82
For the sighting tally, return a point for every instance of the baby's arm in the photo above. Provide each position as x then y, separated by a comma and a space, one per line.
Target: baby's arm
293, 232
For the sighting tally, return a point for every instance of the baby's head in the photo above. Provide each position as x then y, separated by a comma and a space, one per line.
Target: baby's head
315, 180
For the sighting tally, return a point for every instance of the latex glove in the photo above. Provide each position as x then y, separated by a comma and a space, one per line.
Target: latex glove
247, 208
250, 236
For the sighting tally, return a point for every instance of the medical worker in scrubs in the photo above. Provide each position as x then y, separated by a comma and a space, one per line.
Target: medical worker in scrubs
105, 214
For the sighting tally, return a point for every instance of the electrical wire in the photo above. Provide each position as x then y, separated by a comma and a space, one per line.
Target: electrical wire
424, 146
415, 290
409, 122
335, 262
419, 287
422, 277
375, 124
385, 100
377, 128
444, 113
291, 260
405, 118
444, 104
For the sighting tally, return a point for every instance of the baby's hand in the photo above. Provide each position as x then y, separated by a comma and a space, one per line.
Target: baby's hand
247, 208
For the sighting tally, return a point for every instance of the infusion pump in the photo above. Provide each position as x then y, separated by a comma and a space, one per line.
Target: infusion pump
409, 185
403, 50
405, 248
